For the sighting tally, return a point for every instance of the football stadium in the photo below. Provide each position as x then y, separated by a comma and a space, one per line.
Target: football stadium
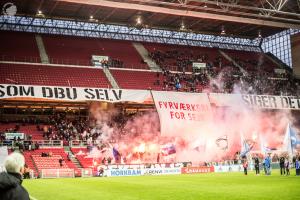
149, 99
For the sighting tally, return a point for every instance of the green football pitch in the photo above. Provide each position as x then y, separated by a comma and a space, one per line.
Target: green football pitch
174, 187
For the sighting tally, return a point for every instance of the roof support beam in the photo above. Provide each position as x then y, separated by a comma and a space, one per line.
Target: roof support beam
183, 13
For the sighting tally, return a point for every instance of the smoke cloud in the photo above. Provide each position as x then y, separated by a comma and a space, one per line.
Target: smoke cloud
138, 140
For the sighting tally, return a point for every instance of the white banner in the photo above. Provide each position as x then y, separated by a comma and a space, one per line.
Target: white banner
125, 172
11, 136
3, 155
228, 168
146, 171
162, 171
181, 113
186, 101
97, 60
255, 101
197, 65
73, 93
279, 71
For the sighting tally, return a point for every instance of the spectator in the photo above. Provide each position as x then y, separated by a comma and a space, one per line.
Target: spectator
245, 166
69, 156
37, 146
256, 164
10, 181
287, 166
60, 162
297, 167
281, 164
268, 165
26, 172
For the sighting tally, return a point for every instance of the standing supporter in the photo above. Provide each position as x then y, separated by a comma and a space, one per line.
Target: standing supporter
268, 165
297, 166
256, 164
281, 164
287, 166
60, 162
245, 166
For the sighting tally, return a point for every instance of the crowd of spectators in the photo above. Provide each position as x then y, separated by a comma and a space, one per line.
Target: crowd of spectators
182, 60
252, 76
62, 128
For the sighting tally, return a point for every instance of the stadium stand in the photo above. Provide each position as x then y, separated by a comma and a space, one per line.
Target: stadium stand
28, 129
180, 58
18, 46
250, 61
81, 155
30, 163
32, 131
129, 79
52, 161
60, 48
52, 75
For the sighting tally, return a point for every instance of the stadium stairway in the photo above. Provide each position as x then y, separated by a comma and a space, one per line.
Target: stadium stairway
233, 62
145, 55
110, 78
43, 54
30, 162
73, 158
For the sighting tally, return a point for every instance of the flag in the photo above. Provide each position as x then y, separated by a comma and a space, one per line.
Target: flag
168, 149
246, 146
116, 154
199, 145
264, 149
222, 142
290, 140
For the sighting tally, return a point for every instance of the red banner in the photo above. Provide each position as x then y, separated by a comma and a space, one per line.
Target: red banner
197, 170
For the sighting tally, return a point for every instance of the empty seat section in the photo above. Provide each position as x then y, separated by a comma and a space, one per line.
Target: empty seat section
70, 50
252, 61
18, 46
79, 50
29, 162
138, 79
54, 76
26, 129
52, 162
83, 158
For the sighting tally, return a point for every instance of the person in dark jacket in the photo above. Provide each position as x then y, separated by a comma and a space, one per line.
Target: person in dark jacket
245, 166
11, 180
281, 164
256, 164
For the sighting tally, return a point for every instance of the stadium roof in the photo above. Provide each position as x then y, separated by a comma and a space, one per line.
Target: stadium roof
240, 18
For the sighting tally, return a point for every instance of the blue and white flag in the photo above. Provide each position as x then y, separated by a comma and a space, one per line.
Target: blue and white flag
246, 146
263, 147
290, 140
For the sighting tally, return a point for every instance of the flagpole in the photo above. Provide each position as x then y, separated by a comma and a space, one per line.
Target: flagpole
291, 139
150, 90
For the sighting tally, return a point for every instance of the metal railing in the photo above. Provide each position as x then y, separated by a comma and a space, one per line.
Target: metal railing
41, 143
60, 61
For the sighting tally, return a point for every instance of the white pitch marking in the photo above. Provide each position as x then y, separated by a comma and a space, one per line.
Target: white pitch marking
32, 198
